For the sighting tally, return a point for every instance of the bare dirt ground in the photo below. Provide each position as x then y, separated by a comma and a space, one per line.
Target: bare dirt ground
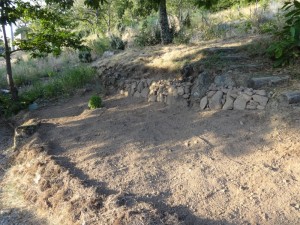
211, 167
160, 164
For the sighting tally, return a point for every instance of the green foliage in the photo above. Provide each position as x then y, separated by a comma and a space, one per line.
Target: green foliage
62, 84
30, 71
95, 102
85, 56
116, 43
149, 32
267, 27
100, 45
287, 48
8, 107
183, 36
217, 5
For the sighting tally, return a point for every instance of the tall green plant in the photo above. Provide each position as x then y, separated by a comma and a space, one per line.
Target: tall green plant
287, 48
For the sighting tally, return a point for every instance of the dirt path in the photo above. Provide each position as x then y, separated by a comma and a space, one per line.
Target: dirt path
213, 167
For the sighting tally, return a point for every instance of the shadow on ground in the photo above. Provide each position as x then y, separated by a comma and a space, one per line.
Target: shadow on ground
19, 217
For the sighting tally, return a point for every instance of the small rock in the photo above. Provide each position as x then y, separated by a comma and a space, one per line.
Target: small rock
152, 98
196, 94
252, 105
160, 89
187, 89
133, 88
187, 71
145, 92
24, 131
211, 93
246, 97
248, 92
213, 87
160, 97
261, 92
260, 107
140, 86
203, 103
232, 93
137, 94
228, 104
5, 91
126, 93
215, 101
108, 54
225, 90
172, 91
149, 82
180, 91
33, 106
186, 96
240, 103
153, 92
262, 100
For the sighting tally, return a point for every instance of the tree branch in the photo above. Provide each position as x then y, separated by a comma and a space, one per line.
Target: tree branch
16, 50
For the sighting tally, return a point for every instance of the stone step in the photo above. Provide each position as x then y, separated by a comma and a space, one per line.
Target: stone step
247, 66
234, 57
270, 81
292, 97
223, 50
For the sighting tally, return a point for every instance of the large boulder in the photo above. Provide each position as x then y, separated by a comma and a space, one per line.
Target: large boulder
201, 85
292, 97
270, 81
224, 81
216, 101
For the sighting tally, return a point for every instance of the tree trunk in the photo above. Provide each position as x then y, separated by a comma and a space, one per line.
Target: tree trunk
13, 89
166, 35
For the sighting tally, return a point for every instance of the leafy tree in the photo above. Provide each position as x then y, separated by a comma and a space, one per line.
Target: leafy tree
50, 29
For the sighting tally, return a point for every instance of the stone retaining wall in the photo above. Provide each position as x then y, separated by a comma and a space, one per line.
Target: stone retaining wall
234, 98
175, 92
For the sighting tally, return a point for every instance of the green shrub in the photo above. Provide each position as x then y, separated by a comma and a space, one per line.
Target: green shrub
9, 107
100, 45
287, 48
117, 43
62, 84
149, 33
95, 102
267, 27
85, 56
183, 36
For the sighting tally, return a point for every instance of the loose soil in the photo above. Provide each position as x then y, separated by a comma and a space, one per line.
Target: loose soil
211, 167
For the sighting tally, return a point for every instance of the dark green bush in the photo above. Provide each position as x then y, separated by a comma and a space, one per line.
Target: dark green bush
85, 56
149, 33
117, 43
95, 102
8, 107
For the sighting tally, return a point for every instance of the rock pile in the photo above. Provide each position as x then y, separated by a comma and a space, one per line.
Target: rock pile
233, 98
170, 92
